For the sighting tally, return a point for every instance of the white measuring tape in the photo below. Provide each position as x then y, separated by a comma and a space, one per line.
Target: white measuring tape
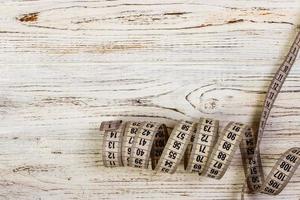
136, 144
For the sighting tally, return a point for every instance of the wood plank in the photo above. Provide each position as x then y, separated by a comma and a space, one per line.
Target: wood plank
67, 65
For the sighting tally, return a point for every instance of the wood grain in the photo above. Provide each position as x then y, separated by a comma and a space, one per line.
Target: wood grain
67, 65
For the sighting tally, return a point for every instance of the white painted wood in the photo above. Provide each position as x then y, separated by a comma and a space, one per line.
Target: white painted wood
67, 65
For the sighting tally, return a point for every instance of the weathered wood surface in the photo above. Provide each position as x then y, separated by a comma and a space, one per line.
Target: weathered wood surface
67, 65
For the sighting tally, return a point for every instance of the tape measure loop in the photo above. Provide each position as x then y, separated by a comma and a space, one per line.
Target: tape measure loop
148, 141
175, 147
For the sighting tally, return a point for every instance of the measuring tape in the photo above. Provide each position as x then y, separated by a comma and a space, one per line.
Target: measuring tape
205, 150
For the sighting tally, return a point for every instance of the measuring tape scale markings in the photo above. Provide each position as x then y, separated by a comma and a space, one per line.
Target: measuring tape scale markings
201, 145
148, 141
112, 142
276, 84
206, 153
129, 133
175, 147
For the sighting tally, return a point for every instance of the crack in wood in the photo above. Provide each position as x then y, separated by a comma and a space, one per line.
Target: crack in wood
176, 13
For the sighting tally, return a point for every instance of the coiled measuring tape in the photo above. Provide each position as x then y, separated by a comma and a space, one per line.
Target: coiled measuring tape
206, 151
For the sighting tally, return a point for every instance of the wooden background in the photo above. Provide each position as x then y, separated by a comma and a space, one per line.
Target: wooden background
67, 65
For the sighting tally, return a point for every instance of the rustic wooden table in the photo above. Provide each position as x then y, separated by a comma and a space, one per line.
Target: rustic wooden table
67, 65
